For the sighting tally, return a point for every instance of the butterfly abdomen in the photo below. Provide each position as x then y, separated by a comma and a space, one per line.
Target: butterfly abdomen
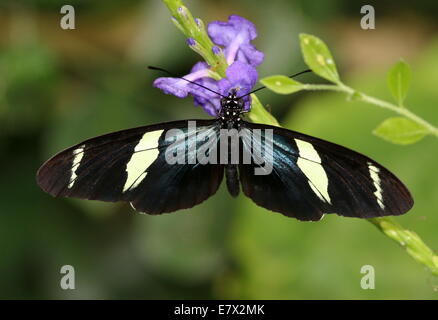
232, 178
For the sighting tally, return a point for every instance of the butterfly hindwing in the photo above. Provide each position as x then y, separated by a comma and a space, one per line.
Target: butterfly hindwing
311, 177
131, 166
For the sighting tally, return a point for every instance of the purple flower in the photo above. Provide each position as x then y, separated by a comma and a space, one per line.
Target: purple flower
235, 37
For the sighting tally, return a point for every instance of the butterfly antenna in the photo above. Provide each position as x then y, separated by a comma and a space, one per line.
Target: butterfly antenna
193, 82
292, 76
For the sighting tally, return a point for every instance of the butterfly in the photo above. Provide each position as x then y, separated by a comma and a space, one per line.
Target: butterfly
170, 166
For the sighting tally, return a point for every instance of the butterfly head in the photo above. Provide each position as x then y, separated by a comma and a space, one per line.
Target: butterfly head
231, 106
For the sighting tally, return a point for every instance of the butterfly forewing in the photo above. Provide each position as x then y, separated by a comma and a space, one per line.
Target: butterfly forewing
132, 165
311, 177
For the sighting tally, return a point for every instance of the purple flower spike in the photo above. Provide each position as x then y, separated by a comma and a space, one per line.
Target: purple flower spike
236, 35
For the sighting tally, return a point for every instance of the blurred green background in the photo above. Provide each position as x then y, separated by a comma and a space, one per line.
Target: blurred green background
59, 87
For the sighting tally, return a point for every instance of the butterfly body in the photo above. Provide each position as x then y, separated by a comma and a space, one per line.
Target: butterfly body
176, 165
231, 111
230, 117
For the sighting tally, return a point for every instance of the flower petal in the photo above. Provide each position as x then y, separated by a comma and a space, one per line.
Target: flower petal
223, 33
175, 86
211, 106
243, 74
242, 77
236, 35
206, 99
249, 54
199, 66
180, 87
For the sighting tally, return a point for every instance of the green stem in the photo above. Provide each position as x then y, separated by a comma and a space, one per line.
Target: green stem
360, 96
413, 244
406, 238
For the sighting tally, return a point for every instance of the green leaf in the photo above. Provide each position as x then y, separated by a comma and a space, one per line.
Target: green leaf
318, 57
399, 78
281, 84
400, 130
259, 114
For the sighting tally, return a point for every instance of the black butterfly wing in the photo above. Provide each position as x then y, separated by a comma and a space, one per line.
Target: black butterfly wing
311, 177
132, 165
